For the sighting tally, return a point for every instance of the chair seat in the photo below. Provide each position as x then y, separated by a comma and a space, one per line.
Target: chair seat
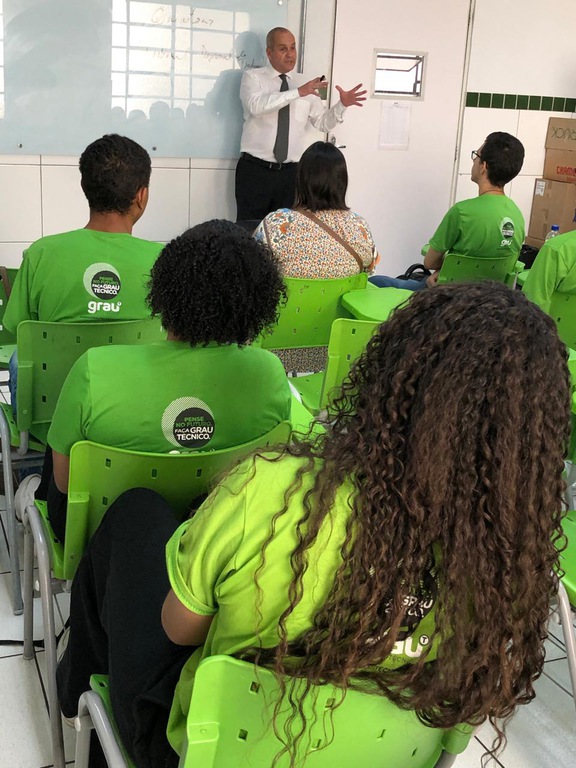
310, 390
6, 352
99, 684
35, 442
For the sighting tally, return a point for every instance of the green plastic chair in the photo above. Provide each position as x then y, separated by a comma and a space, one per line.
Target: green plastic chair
375, 305
348, 340
98, 475
563, 312
229, 725
46, 352
458, 269
7, 339
311, 307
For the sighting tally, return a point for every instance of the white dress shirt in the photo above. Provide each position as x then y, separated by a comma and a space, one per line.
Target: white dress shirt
261, 99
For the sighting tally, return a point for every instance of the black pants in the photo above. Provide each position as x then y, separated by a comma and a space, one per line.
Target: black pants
260, 190
115, 625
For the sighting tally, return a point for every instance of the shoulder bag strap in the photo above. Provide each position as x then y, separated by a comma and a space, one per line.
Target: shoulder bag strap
333, 234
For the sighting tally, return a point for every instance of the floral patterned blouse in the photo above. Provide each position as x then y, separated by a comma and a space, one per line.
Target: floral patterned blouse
305, 250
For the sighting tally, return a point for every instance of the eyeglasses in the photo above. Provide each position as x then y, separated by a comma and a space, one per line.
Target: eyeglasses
475, 155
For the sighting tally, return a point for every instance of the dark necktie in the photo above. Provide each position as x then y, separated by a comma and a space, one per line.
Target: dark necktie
281, 143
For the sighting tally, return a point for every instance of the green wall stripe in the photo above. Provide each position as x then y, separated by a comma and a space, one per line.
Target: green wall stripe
520, 101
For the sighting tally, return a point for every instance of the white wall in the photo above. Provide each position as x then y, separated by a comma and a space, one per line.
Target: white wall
402, 194
524, 47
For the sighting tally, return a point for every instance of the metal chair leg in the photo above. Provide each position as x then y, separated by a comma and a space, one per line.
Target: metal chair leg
92, 714
45, 581
11, 524
568, 632
28, 593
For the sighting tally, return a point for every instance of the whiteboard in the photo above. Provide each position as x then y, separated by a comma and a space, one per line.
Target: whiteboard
165, 74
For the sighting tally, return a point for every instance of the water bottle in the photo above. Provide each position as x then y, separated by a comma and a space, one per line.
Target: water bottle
554, 230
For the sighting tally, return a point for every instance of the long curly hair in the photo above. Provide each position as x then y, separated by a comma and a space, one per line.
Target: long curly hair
452, 428
215, 283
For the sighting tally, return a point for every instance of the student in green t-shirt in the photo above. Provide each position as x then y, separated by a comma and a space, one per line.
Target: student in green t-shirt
410, 547
215, 289
98, 272
485, 226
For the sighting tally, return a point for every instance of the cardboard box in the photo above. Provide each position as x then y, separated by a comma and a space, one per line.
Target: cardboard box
560, 165
561, 134
554, 202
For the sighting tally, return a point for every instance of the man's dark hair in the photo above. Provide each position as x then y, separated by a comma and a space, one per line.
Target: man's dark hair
322, 178
503, 155
113, 169
215, 283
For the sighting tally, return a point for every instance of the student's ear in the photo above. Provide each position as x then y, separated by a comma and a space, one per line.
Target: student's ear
141, 199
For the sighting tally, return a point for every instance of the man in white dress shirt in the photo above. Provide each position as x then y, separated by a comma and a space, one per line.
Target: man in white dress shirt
278, 106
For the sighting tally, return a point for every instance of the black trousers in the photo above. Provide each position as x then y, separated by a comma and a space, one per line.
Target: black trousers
260, 190
115, 626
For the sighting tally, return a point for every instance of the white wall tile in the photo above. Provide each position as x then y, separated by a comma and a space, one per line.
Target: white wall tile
64, 206
465, 187
211, 195
20, 209
478, 123
167, 213
532, 128
11, 254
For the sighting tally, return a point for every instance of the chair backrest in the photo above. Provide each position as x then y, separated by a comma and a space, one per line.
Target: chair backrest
100, 473
7, 277
458, 269
311, 307
348, 340
47, 352
563, 312
229, 724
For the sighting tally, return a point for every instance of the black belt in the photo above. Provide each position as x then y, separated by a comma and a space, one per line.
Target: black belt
265, 163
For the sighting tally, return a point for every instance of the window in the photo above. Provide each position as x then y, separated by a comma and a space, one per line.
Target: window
170, 52
398, 74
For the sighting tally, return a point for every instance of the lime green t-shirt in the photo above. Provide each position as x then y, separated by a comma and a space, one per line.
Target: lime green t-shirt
170, 397
554, 269
82, 276
487, 225
212, 560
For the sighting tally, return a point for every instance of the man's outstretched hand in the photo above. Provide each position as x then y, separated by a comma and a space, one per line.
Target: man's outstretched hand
352, 98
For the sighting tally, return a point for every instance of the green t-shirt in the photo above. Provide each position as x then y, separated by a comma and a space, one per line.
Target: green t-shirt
554, 269
170, 397
82, 276
487, 225
212, 560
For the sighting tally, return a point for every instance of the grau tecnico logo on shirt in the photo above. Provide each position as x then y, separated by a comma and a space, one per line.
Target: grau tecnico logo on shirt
103, 282
507, 230
188, 423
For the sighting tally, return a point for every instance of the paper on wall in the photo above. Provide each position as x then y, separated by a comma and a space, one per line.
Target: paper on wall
394, 126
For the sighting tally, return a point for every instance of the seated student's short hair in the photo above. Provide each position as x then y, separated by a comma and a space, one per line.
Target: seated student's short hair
504, 156
113, 169
215, 283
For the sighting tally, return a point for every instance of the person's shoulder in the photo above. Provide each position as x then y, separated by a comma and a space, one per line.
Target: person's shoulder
148, 246
55, 242
566, 243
